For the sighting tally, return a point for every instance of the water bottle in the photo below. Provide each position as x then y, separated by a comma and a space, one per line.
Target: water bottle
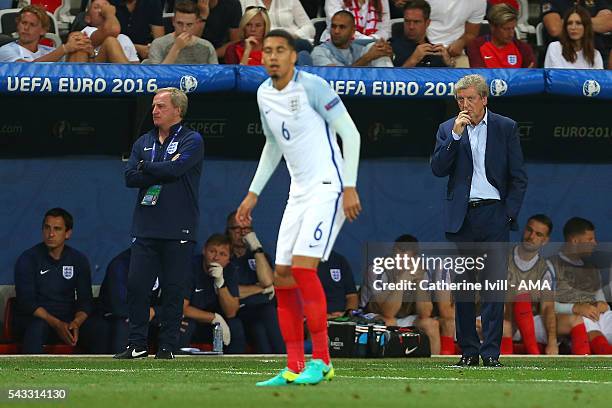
217, 338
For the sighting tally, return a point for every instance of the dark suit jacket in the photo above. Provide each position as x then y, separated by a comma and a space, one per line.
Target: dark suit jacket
503, 164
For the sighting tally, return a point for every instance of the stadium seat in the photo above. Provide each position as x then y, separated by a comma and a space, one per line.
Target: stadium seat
9, 26
397, 27
7, 328
59, 349
540, 34
485, 28
6, 4
320, 24
5, 39
167, 18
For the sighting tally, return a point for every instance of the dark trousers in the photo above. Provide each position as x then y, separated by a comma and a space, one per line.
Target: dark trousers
262, 329
119, 330
170, 261
193, 332
35, 332
487, 227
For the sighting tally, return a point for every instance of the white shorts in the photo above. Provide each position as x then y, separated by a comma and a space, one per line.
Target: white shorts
310, 225
407, 320
604, 325
540, 331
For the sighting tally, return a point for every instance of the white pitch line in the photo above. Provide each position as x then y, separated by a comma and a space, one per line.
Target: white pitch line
354, 377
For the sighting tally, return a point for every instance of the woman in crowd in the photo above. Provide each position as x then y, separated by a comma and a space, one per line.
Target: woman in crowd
290, 16
254, 25
576, 49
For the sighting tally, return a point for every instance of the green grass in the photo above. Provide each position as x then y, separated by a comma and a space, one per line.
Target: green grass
203, 382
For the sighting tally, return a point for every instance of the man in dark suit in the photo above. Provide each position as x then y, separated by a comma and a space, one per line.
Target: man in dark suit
481, 154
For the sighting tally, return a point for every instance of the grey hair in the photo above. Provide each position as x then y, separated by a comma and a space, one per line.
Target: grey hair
474, 80
179, 98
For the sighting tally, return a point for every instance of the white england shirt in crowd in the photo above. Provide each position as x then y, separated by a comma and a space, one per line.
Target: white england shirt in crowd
12, 52
126, 44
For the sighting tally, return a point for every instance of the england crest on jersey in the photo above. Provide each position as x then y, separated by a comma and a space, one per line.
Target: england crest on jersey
294, 104
68, 271
512, 59
252, 264
172, 148
336, 274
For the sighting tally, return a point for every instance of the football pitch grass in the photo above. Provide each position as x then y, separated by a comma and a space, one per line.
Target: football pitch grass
201, 382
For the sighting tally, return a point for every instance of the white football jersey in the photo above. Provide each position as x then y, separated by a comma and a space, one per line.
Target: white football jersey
298, 117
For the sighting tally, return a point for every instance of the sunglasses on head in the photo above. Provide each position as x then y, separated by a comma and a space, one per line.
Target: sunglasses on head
260, 8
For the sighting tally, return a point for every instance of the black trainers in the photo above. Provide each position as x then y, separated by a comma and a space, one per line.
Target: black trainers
164, 354
131, 353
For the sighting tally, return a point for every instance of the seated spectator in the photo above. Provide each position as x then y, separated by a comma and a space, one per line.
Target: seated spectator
219, 23
531, 310
182, 46
113, 303
32, 25
455, 24
212, 297
338, 283
104, 31
343, 51
500, 48
290, 16
579, 286
255, 285
413, 48
576, 49
601, 19
141, 20
47, 278
254, 25
402, 307
372, 19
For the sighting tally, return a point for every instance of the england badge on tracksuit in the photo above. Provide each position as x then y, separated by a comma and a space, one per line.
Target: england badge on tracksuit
252, 264
68, 271
172, 147
336, 275
512, 59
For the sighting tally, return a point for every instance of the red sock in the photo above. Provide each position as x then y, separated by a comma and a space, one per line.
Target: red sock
506, 345
315, 309
599, 345
291, 321
580, 340
447, 345
523, 316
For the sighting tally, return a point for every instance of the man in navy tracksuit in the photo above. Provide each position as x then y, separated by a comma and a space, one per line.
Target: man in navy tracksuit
339, 285
255, 277
212, 297
165, 164
47, 277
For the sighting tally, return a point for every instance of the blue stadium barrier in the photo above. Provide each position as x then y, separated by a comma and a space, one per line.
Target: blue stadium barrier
113, 79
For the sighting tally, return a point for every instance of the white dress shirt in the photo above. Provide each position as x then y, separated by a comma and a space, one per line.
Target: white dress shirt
480, 189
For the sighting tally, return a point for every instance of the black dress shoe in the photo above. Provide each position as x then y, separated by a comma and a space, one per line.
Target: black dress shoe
491, 362
164, 354
131, 353
466, 361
